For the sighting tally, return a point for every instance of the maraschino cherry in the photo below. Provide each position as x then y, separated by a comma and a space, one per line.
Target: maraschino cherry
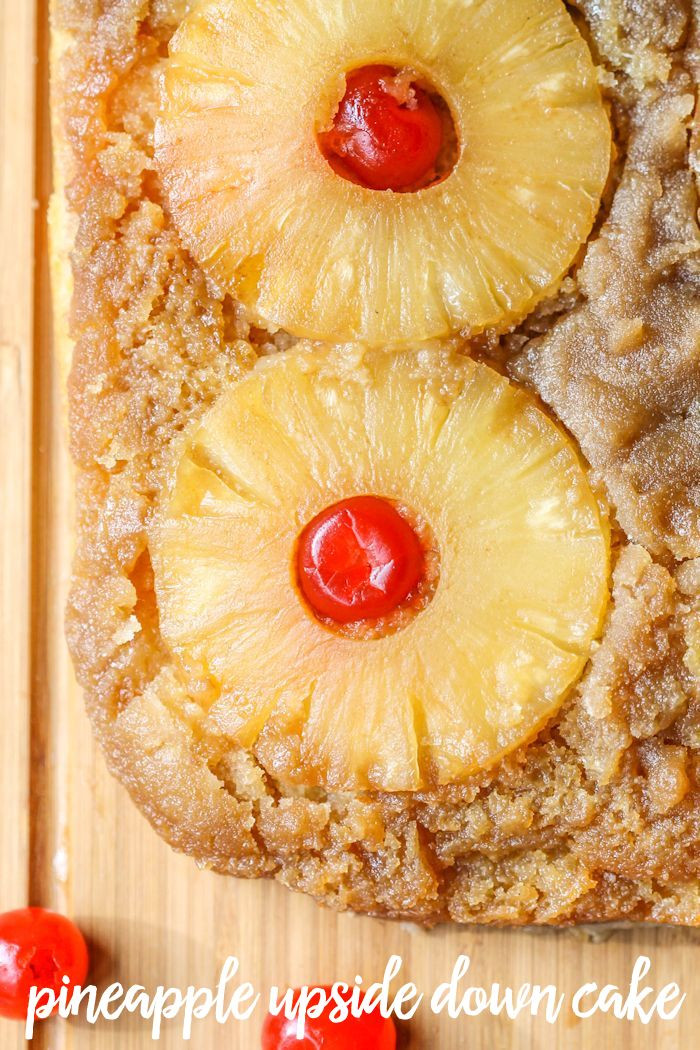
371, 1031
38, 948
359, 560
387, 133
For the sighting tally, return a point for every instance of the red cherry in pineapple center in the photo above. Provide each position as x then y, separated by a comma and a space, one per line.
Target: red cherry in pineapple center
359, 560
387, 134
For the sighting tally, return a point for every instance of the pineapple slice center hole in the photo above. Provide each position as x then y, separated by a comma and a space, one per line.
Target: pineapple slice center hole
390, 130
366, 566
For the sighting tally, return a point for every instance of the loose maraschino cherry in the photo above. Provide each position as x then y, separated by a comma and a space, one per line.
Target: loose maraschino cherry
37, 949
358, 560
387, 133
371, 1031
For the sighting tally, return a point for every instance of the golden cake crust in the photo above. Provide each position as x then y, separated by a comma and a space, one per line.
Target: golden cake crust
599, 817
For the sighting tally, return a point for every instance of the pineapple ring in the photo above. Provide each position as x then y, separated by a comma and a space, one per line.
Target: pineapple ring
524, 566
249, 85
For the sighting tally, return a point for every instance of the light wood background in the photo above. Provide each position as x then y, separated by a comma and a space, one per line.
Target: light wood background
70, 838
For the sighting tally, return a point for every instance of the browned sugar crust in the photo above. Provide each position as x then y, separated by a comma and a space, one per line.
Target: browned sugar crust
599, 818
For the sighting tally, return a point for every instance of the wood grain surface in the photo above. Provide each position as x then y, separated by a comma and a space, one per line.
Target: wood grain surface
70, 838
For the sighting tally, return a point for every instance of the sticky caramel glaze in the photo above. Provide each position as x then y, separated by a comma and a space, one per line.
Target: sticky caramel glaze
599, 817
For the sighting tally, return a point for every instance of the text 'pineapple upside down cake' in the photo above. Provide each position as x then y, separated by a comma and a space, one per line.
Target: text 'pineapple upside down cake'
381, 323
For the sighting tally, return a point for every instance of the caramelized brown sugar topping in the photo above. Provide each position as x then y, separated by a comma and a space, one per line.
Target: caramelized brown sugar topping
598, 817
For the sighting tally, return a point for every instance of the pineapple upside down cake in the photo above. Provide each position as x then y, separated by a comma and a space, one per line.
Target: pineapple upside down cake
381, 330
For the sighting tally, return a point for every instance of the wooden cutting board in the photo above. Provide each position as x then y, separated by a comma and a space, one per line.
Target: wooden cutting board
70, 838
